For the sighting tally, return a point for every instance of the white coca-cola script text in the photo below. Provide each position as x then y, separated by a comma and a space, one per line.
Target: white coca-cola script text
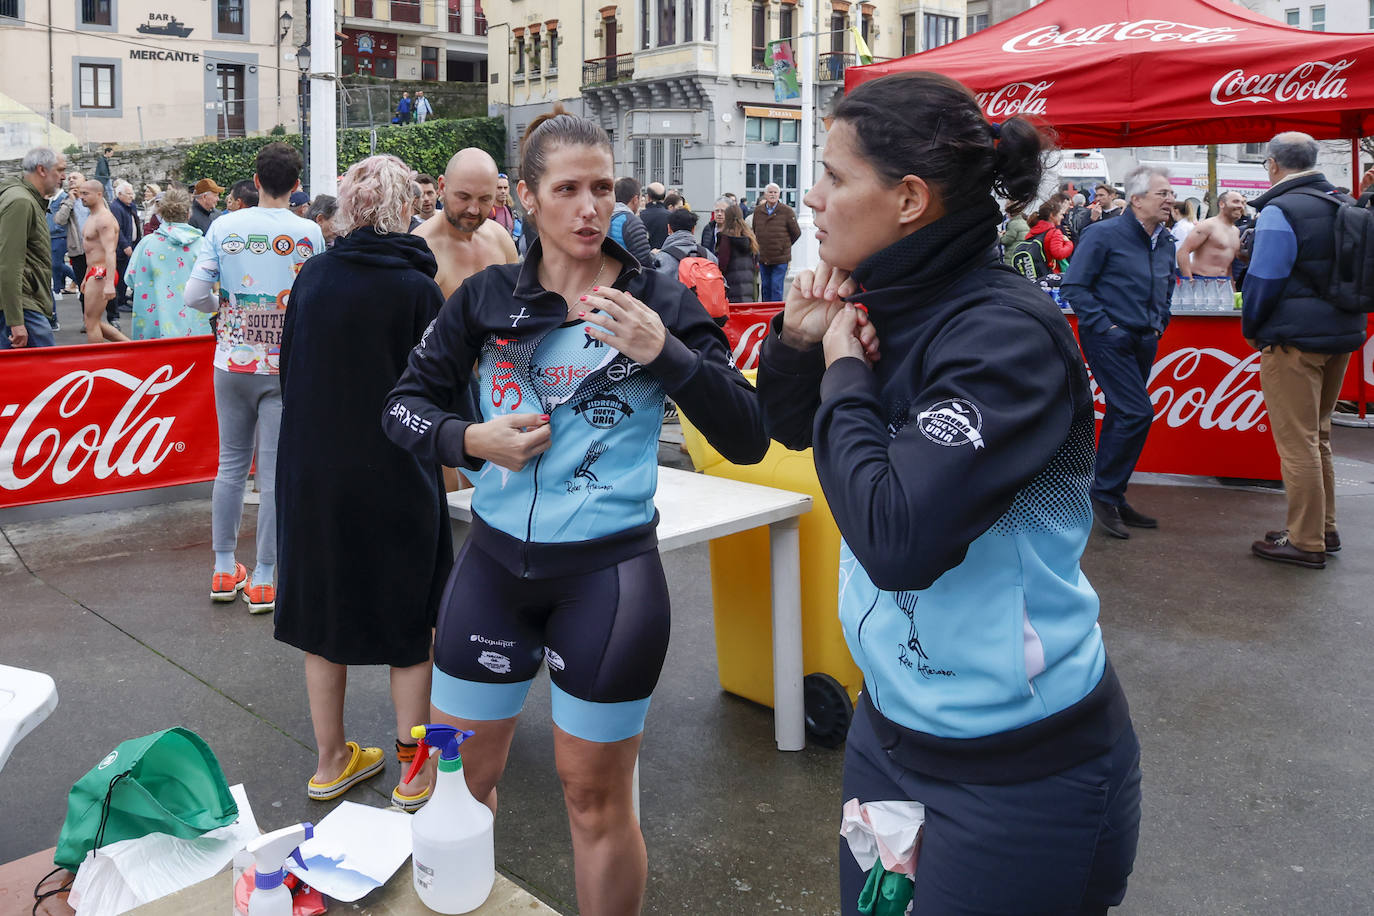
1235, 402
1306, 82
135, 442
1049, 37
1015, 99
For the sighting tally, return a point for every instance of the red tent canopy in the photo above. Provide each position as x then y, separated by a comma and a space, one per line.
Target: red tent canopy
1114, 73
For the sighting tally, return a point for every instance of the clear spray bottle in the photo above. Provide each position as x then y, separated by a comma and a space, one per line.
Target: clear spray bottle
454, 857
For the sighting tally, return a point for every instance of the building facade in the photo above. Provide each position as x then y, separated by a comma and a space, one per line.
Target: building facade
131, 71
685, 87
432, 40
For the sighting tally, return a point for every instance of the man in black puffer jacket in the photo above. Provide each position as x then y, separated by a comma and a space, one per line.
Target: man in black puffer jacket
1305, 341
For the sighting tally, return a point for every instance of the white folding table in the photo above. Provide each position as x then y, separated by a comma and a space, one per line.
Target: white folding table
695, 507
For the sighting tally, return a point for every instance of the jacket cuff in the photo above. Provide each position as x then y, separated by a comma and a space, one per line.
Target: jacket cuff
788, 360
449, 444
675, 364
845, 375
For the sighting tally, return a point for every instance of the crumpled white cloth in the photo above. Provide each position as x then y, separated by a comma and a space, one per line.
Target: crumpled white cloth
120, 876
883, 831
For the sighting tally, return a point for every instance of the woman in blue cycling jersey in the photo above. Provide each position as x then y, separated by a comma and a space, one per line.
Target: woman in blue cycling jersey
957, 468
575, 349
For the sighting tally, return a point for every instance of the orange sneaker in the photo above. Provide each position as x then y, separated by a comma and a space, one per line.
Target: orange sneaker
261, 598
226, 586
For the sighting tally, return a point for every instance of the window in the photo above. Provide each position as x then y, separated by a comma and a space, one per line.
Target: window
520, 54
866, 28
536, 52
758, 175
790, 131
97, 12
9, 9
1292, 18
908, 34
977, 22
689, 21
229, 17
429, 64
760, 39
839, 23
771, 130
645, 10
675, 163
638, 161
786, 14
1319, 19
1371, 15
667, 22
939, 30
706, 30
97, 86
553, 50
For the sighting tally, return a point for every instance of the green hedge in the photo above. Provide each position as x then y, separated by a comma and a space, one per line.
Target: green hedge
424, 147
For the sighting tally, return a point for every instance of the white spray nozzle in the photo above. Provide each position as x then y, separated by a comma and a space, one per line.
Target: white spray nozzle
271, 850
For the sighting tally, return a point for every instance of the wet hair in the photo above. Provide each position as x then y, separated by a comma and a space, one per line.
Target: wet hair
553, 129
278, 168
626, 190
928, 125
734, 225
682, 219
245, 192
1051, 206
375, 192
174, 206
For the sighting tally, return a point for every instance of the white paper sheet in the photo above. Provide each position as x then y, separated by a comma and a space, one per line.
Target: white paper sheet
355, 850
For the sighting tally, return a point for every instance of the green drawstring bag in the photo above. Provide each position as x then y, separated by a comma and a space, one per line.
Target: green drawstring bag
885, 893
167, 782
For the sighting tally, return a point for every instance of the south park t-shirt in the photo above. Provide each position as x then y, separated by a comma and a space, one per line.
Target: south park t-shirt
255, 254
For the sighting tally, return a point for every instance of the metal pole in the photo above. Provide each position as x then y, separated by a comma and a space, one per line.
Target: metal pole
810, 254
52, 99
324, 176
1211, 178
139, 109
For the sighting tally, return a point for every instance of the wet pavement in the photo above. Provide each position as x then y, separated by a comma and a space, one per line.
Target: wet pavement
1249, 683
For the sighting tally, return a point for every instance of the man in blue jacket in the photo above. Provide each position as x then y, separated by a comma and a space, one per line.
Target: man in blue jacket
1120, 282
1304, 340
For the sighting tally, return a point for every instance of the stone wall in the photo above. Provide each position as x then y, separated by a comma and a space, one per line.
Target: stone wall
136, 166
450, 100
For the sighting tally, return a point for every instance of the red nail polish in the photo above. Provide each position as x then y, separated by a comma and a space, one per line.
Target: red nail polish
583, 299
581, 314
596, 289
544, 417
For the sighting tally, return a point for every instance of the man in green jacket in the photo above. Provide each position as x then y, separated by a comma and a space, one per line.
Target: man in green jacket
25, 250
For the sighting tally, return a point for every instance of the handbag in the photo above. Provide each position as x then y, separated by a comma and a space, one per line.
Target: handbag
167, 782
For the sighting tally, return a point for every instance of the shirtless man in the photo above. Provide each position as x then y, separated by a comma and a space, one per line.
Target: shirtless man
463, 240
98, 240
1204, 258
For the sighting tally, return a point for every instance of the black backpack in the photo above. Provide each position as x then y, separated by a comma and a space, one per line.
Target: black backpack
1350, 285
1028, 258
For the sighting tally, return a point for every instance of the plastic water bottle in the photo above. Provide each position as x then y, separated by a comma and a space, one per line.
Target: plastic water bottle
454, 856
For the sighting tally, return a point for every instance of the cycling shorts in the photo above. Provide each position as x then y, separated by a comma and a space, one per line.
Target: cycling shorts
603, 633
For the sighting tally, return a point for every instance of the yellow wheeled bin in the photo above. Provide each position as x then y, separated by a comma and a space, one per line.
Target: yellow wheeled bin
741, 593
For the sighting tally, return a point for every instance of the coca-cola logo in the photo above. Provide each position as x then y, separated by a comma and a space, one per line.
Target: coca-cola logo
1015, 99
1234, 403
1310, 81
746, 352
1050, 37
135, 442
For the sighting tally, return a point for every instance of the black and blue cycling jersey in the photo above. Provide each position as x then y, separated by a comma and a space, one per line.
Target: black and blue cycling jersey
585, 504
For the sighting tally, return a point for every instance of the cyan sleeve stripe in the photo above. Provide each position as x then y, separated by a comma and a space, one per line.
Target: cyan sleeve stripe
599, 722
1276, 246
472, 700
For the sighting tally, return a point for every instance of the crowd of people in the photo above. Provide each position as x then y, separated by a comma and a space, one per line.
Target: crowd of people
370, 347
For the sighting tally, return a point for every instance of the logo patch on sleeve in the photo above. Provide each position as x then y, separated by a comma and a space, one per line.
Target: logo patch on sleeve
952, 422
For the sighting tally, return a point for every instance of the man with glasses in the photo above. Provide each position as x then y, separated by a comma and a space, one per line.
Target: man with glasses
1120, 283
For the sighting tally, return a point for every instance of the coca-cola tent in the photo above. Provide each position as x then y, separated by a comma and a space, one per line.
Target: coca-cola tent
1110, 73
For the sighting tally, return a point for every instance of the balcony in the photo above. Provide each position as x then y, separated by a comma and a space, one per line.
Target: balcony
362, 9
603, 70
455, 23
830, 66
479, 24
405, 11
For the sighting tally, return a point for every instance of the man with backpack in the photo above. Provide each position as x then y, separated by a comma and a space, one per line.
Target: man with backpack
693, 264
1305, 322
626, 227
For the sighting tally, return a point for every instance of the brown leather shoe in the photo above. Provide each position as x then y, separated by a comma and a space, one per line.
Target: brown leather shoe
1281, 551
1333, 539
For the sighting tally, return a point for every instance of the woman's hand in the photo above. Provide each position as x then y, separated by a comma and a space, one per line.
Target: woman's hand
624, 323
812, 302
509, 441
843, 337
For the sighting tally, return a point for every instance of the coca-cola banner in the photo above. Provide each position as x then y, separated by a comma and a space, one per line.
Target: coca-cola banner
1086, 67
92, 420
746, 327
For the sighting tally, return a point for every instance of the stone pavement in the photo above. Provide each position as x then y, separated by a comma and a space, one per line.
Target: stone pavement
1249, 682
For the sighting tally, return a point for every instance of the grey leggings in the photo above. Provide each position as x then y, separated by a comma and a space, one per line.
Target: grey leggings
245, 405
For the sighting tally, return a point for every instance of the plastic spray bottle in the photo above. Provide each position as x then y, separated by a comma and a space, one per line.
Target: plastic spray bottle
454, 858
270, 852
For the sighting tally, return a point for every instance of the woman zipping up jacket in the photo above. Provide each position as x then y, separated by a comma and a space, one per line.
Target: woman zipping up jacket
575, 350
957, 468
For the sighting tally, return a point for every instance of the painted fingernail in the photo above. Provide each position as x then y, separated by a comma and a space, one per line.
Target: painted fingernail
596, 289
581, 314
583, 299
544, 418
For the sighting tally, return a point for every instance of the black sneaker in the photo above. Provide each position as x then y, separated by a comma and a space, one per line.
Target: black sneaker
1109, 517
1136, 519
1332, 538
